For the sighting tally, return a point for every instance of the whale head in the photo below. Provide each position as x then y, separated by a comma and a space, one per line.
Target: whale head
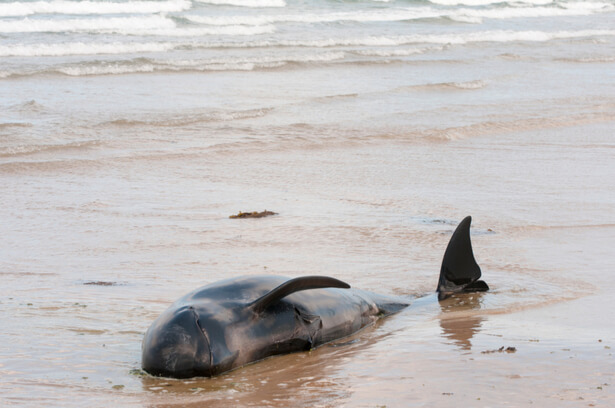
231, 323
176, 345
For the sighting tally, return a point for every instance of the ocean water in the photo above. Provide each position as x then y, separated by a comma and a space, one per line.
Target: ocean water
131, 130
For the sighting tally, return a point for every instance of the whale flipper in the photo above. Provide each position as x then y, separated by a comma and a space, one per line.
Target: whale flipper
460, 272
295, 285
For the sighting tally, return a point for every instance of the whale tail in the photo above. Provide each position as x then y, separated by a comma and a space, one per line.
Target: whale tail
460, 273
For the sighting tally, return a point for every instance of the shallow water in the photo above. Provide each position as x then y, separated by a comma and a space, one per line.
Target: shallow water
371, 133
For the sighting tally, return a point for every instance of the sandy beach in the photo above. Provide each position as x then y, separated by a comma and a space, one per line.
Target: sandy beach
371, 129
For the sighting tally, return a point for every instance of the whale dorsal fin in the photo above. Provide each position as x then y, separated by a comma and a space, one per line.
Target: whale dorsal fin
295, 285
460, 272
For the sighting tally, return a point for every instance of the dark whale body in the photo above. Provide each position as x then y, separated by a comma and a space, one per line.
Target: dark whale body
234, 322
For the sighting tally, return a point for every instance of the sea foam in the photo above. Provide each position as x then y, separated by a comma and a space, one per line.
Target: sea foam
113, 24
246, 3
486, 2
81, 48
17, 9
470, 15
397, 14
529, 12
155, 25
461, 38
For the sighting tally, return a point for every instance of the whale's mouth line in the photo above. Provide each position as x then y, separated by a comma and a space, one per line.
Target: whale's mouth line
205, 337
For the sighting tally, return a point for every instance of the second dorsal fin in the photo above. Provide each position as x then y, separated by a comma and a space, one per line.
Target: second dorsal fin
460, 272
295, 285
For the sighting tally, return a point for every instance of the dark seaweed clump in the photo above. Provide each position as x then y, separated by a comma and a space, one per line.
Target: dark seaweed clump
100, 283
254, 214
501, 350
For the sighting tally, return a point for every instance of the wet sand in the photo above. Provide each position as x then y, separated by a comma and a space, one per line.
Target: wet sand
149, 231
130, 134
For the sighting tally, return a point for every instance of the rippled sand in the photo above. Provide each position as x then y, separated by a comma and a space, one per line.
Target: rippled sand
94, 250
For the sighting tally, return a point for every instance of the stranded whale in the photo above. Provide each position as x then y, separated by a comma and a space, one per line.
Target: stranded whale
234, 322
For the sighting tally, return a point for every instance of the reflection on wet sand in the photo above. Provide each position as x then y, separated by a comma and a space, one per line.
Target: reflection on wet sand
294, 379
457, 325
299, 379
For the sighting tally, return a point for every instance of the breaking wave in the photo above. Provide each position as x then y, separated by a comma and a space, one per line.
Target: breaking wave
155, 25
81, 48
17, 9
246, 3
